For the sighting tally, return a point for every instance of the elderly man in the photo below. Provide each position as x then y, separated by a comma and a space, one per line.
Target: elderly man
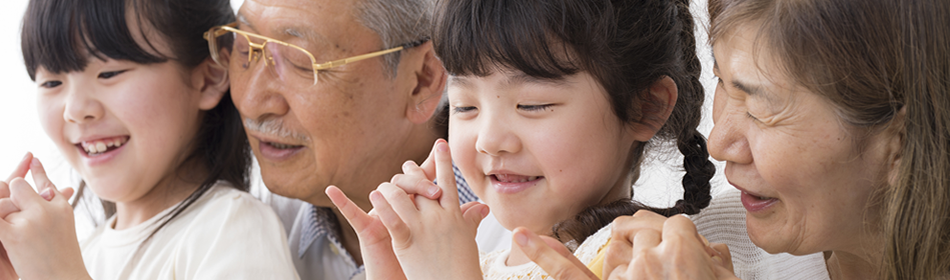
332, 93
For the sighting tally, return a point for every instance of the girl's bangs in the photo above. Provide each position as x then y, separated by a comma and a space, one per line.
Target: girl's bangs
61, 35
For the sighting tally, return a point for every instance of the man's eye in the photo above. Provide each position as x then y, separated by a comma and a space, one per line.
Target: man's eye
110, 74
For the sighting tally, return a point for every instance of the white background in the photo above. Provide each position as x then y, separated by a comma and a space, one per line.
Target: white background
20, 130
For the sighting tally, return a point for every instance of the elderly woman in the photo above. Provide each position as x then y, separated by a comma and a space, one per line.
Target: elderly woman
833, 118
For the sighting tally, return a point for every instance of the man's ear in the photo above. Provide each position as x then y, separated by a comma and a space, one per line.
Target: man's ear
429, 78
212, 81
655, 107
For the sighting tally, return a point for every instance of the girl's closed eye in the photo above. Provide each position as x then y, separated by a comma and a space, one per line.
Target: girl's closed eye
463, 109
535, 108
50, 84
111, 74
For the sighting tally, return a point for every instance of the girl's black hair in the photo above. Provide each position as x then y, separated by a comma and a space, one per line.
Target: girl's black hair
626, 45
62, 35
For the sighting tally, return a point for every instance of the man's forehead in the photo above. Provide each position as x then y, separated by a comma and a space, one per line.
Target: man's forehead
296, 30
295, 18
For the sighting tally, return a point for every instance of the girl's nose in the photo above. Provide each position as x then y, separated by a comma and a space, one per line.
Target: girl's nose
496, 138
81, 106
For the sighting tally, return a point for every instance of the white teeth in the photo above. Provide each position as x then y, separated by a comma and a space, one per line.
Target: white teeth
97, 147
509, 179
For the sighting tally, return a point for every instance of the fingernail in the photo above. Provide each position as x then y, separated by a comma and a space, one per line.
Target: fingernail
522, 239
433, 190
47, 194
717, 260
25, 156
485, 212
35, 162
443, 147
375, 195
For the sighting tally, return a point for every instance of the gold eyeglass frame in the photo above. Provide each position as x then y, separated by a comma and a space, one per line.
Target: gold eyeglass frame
221, 30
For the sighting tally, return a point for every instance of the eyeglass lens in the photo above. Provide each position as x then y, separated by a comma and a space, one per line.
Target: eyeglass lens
290, 64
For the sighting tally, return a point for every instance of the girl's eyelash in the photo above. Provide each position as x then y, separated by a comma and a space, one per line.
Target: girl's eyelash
541, 107
110, 74
456, 110
51, 84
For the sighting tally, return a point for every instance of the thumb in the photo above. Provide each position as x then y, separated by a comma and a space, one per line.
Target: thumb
68, 193
474, 212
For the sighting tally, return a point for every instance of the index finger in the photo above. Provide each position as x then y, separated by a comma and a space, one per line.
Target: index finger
21, 169
19, 172
428, 166
445, 175
39, 175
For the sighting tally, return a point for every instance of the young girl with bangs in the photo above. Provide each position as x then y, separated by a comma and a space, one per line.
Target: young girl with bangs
128, 93
553, 105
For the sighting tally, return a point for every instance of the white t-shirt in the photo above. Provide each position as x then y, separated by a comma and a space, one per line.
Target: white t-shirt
225, 234
494, 268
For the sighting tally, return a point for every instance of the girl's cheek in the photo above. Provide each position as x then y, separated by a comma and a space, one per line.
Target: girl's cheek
51, 116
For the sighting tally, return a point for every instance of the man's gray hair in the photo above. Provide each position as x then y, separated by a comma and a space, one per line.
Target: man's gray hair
397, 22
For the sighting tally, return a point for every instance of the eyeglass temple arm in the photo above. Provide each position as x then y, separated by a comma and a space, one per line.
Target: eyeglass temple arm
218, 31
335, 63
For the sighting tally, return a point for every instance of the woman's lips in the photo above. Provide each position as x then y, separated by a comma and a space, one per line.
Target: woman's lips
510, 183
756, 203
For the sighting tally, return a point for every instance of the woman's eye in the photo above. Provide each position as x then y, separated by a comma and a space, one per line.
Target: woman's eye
51, 84
541, 107
457, 110
110, 74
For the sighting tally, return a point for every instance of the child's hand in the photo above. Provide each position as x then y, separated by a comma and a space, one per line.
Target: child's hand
7, 207
431, 233
40, 236
375, 244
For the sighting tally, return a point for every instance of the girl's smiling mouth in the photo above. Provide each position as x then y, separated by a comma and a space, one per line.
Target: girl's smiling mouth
94, 148
513, 183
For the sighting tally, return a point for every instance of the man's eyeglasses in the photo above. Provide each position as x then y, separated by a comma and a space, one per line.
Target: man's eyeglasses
292, 63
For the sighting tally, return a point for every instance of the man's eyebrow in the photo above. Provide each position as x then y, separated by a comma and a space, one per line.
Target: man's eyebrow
243, 21
292, 31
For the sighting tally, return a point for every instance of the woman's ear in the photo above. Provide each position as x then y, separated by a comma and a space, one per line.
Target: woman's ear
655, 107
212, 82
895, 133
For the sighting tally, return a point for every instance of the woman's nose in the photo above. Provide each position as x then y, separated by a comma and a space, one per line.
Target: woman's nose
728, 140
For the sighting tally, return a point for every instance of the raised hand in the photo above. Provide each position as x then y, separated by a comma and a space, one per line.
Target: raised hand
375, 244
40, 237
7, 207
430, 233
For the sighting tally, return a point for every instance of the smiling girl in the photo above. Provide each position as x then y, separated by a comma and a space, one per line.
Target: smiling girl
553, 104
128, 93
